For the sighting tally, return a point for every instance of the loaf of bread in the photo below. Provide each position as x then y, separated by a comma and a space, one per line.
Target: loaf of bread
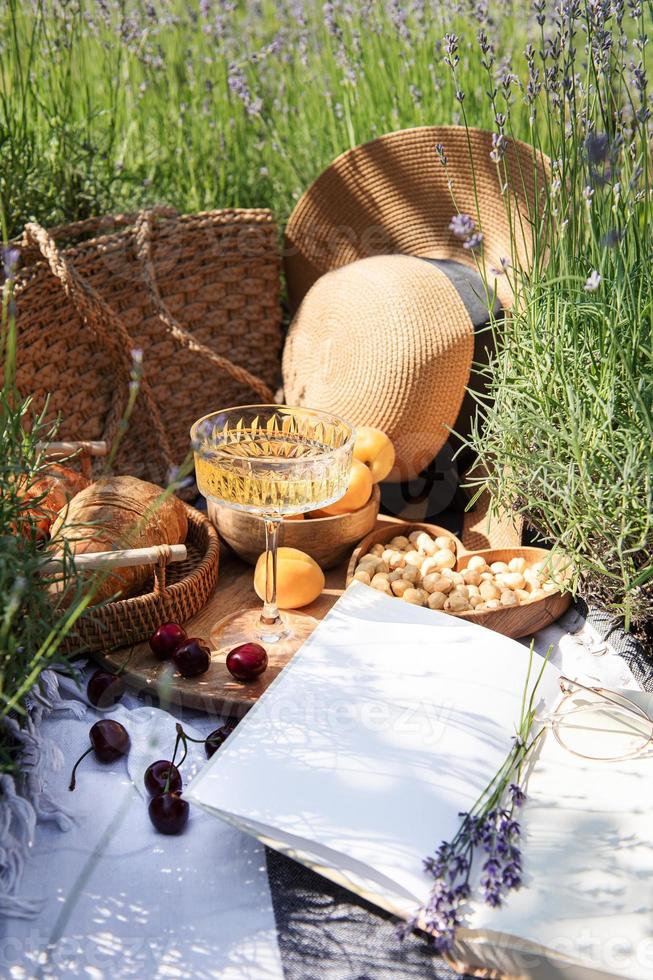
120, 512
56, 486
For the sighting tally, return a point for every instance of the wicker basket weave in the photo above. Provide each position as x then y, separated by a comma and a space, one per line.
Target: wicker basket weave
174, 594
198, 294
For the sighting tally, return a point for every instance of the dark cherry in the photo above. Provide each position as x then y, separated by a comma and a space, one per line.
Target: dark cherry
247, 661
109, 741
105, 689
169, 813
217, 738
166, 639
192, 658
156, 777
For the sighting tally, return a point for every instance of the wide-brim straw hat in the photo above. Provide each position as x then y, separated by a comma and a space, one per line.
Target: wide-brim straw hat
379, 335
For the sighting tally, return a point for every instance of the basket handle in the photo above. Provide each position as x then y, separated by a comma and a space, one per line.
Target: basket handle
90, 226
143, 244
102, 320
158, 554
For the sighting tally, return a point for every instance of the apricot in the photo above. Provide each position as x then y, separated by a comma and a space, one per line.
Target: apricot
373, 448
300, 579
294, 517
359, 491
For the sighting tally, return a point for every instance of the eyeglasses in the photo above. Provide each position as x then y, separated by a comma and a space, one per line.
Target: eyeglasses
594, 723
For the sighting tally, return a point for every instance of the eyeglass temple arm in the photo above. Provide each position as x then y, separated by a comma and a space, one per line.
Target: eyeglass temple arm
564, 681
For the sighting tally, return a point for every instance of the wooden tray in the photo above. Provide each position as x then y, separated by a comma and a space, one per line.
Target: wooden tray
216, 692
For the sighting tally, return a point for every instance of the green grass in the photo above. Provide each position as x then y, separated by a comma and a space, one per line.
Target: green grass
114, 105
89, 124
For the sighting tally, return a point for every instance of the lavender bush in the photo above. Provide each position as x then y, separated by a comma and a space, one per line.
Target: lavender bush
110, 104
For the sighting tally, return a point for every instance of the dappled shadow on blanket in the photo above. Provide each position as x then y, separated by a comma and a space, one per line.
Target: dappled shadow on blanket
324, 930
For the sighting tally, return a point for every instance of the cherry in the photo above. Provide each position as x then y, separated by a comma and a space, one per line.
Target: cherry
247, 661
217, 738
192, 658
169, 813
157, 775
166, 639
105, 689
109, 741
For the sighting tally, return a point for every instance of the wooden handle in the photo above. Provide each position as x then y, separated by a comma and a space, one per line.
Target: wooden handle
92, 448
123, 559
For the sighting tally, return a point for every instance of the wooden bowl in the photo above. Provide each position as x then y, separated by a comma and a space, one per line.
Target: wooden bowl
512, 621
326, 539
530, 617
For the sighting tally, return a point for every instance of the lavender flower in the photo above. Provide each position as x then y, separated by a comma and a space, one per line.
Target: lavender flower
451, 50
442, 156
10, 259
497, 831
592, 282
501, 269
517, 794
596, 147
462, 225
499, 146
238, 85
474, 241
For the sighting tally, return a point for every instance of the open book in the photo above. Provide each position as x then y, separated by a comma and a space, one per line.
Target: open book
389, 722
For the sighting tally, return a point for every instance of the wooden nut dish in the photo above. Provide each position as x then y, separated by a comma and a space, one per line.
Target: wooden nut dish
326, 539
522, 606
174, 592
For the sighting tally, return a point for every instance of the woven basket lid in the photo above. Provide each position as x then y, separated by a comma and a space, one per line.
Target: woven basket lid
394, 196
386, 341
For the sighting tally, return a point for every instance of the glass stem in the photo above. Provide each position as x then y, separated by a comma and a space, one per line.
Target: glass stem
270, 615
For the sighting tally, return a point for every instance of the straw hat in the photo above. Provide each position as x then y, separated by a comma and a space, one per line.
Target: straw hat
381, 336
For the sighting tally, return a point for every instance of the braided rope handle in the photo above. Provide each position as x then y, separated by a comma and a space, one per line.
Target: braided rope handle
91, 226
143, 244
107, 326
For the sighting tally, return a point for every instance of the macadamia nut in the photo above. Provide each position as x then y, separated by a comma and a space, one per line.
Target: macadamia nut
456, 603
425, 543
400, 543
436, 600
418, 597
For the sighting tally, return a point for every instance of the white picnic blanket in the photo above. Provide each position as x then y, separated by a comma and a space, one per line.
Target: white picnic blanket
120, 900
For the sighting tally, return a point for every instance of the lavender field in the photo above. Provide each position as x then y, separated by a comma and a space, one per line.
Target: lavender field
113, 104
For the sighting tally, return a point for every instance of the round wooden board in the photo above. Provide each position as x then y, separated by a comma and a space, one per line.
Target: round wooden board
217, 692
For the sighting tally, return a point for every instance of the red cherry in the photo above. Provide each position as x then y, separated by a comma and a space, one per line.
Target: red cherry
217, 738
109, 741
166, 639
247, 661
169, 813
156, 777
192, 658
105, 689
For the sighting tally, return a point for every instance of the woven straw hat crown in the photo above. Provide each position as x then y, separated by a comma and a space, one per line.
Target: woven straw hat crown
365, 340
380, 336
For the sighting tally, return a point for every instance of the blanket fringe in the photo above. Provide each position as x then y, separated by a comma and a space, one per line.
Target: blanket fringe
24, 798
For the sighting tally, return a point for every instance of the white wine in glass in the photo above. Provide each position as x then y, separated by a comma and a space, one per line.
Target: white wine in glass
273, 461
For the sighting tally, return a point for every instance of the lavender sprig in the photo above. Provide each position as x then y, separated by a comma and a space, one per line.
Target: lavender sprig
489, 835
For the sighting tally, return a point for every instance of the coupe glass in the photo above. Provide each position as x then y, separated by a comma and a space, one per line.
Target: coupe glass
272, 461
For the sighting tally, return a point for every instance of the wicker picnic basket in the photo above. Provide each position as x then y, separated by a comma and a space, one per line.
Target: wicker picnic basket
198, 294
175, 593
